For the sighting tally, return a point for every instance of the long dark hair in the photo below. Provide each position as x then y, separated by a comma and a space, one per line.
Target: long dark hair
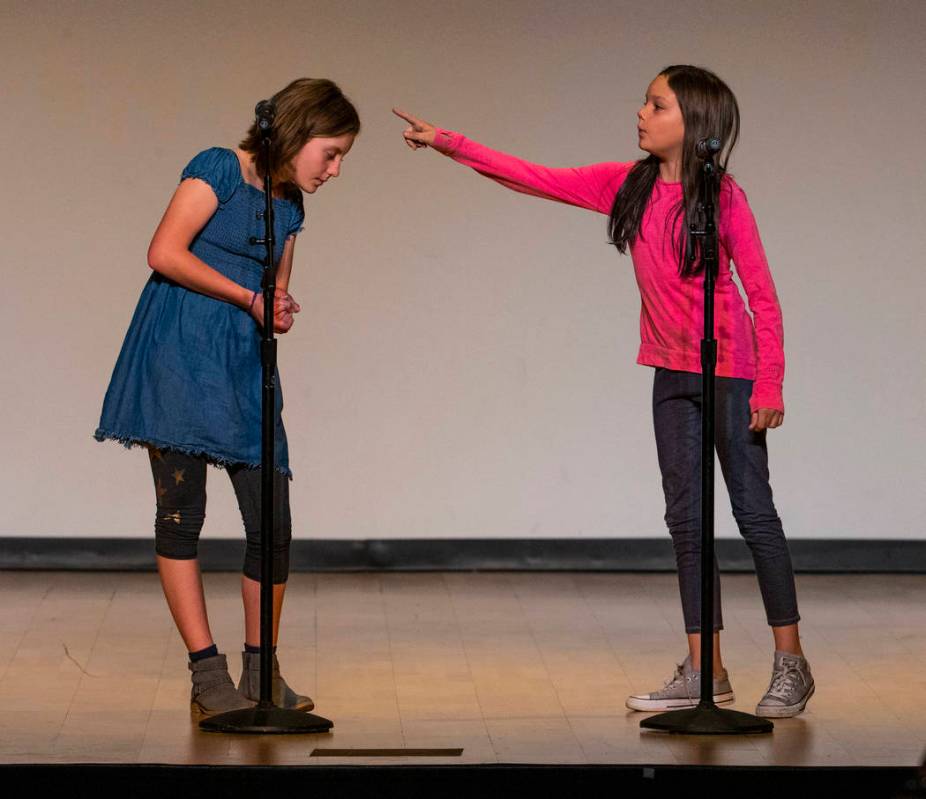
306, 108
709, 109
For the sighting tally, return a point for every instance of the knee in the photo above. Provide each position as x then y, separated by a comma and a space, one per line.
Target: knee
761, 525
282, 534
177, 529
685, 531
282, 543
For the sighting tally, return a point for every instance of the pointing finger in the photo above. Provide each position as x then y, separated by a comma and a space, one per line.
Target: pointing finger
407, 117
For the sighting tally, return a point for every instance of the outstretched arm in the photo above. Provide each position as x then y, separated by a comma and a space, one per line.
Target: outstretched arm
592, 187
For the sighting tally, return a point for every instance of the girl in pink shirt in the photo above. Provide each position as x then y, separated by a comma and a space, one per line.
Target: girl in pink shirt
649, 204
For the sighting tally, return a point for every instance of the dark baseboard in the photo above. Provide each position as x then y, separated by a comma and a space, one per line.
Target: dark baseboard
142, 780
470, 554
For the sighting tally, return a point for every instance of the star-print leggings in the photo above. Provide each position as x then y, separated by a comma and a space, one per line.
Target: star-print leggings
180, 486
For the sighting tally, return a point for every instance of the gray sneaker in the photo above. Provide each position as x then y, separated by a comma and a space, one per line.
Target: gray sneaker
683, 689
282, 694
213, 690
790, 689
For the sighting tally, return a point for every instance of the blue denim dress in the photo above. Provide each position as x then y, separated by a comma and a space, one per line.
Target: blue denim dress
188, 377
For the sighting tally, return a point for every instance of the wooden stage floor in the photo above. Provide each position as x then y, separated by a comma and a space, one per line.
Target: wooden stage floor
510, 667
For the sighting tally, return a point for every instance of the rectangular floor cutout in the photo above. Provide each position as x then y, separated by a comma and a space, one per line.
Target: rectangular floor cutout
386, 753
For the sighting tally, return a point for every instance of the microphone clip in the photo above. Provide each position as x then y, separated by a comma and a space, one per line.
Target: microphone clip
708, 148
265, 111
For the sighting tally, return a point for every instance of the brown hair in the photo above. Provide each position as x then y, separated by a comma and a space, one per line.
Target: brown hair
305, 109
709, 109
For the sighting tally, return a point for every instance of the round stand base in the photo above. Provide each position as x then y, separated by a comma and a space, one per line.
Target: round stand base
266, 721
707, 720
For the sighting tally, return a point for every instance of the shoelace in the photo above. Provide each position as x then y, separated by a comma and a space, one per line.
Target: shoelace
784, 679
678, 676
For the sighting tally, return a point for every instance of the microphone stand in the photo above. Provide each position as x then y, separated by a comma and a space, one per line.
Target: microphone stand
265, 717
707, 718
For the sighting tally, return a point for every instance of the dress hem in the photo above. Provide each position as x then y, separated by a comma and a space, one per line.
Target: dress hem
129, 441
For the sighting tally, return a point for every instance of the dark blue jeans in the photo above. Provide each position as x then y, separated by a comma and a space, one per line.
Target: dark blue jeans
744, 462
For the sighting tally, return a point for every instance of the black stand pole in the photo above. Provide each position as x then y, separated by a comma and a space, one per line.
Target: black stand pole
266, 717
707, 718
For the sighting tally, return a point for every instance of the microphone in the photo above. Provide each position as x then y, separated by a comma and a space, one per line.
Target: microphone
706, 148
265, 112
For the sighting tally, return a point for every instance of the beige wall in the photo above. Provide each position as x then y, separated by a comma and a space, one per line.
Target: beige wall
464, 362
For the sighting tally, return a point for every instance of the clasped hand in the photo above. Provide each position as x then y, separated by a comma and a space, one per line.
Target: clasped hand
284, 308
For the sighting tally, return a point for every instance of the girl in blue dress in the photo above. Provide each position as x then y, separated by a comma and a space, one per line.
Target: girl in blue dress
187, 383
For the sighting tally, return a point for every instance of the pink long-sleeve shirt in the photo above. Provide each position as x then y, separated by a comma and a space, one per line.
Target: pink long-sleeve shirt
672, 307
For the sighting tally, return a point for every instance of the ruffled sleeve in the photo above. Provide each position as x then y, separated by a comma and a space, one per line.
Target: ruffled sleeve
219, 168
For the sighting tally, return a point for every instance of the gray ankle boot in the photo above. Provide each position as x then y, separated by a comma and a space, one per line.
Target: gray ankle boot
213, 690
282, 694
